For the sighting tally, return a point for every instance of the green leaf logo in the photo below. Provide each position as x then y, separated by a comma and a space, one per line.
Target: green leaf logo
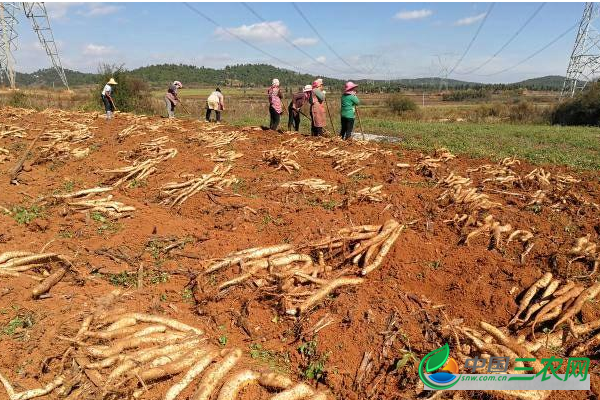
437, 358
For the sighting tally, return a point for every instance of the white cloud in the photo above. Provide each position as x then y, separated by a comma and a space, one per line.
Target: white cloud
58, 11
414, 14
261, 32
305, 41
470, 20
97, 50
100, 9
321, 59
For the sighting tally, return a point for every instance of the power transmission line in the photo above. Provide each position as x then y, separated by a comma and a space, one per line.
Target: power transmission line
212, 21
513, 37
291, 43
535, 53
473, 39
323, 39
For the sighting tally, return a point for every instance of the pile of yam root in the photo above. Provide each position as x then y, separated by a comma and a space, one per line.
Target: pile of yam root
280, 158
302, 277
87, 201
176, 193
127, 355
549, 316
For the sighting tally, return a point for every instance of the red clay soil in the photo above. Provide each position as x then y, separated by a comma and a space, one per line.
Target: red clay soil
426, 280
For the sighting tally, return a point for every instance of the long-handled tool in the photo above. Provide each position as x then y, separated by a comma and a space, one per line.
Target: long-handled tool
184, 107
362, 132
330, 119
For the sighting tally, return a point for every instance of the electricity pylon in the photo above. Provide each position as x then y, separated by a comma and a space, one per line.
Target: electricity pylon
37, 14
8, 36
584, 64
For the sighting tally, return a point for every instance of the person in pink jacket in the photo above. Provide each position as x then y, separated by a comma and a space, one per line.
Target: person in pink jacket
275, 104
317, 108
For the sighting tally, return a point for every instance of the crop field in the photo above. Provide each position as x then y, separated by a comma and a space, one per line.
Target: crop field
151, 258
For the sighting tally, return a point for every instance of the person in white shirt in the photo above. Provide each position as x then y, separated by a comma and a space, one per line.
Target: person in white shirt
109, 104
215, 102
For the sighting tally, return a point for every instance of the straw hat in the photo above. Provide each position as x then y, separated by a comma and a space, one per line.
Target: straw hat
112, 82
349, 86
307, 88
275, 82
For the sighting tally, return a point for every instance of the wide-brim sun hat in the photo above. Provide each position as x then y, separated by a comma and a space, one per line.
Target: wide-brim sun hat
307, 88
112, 82
275, 82
349, 86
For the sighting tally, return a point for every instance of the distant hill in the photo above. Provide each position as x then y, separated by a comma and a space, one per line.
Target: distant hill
247, 75
260, 75
550, 82
48, 78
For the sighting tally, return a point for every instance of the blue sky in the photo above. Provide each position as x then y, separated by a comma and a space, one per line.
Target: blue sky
380, 40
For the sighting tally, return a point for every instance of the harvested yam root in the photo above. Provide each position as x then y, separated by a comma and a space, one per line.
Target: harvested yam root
76, 133
133, 353
18, 263
58, 150
301, 278
4, 155
539, 176
454, 180
537, 198
469, 197
177, 193
344, 160
498, 343
305, 144
510, 161
496, 230
12, 131
549, 301
280, 158
311, 184
140, 170
106, 205
444, 154
463, 220
586, 251
83, 201
426, 164
371, 194
566, 179
217, 139
225, 156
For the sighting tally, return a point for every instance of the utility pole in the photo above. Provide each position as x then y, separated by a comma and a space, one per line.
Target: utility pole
37, 14
584, 63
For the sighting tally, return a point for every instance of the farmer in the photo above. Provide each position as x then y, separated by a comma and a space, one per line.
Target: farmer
296, 104
317, 108
275, 105
215, 102
109, 104
171, 98
348, 109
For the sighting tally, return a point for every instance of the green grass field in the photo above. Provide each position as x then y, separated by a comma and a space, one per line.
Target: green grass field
577, 147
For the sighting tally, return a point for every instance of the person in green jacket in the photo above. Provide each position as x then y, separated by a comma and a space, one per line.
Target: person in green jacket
348, 109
